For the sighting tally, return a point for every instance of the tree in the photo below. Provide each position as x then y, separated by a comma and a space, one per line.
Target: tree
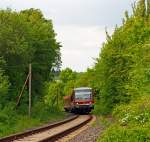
4, 85
53, 97
121, 71
27, 37
148, 7
67, 75
141, 9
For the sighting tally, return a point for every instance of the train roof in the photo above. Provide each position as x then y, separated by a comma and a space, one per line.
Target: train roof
83, 88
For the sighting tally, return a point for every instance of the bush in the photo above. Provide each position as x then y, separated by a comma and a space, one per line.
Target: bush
137, 111
132, 122
117, 133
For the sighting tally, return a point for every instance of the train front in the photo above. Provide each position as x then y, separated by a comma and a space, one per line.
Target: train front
83, 99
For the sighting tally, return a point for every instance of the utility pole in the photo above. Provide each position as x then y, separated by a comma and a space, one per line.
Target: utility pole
30, 77
57, 96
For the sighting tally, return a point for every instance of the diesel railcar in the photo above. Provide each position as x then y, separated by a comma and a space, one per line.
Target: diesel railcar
81, 100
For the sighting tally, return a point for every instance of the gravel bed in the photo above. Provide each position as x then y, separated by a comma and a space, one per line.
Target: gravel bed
89, 135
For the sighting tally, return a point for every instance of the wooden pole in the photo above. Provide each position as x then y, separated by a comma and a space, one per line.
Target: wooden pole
57, 96
30, 77
21, 93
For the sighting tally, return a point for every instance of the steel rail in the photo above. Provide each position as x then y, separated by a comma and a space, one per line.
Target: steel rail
66, 132
37, 130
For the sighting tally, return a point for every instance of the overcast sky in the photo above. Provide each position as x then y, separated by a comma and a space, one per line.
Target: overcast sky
79, 24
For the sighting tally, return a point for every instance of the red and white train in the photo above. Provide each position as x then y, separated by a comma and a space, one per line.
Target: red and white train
81, 100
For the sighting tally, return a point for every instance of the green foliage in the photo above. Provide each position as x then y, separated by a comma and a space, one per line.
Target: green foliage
54, 91
86, 79
132, 122
148, 7
53, 97
4, 86
67, 75
67, 90
125, 70
136, 112
122, 69
140, 9
27, 37
11, 121
119, 134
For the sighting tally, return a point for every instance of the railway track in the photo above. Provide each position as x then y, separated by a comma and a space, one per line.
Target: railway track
50, 133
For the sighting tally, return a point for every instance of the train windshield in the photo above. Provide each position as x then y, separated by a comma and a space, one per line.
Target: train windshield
83, 94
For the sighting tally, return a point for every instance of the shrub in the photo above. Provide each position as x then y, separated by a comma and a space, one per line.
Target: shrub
132, 122
117, 133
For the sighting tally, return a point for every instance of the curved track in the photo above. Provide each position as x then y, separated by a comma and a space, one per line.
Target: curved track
51, 132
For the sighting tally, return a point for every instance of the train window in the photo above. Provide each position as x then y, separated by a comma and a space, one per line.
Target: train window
84, 90
82, 96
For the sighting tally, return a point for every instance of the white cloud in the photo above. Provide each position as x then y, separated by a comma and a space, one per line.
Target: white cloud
80, 45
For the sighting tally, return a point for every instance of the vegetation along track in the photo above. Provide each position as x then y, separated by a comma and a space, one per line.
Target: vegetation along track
51, 132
